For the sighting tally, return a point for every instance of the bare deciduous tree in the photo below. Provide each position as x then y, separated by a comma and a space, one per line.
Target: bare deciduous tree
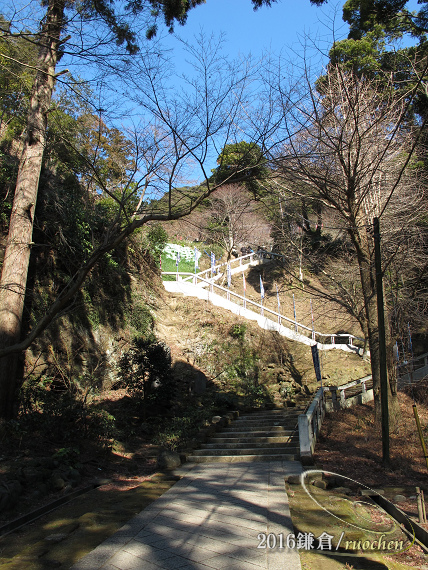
234, 220
350, 146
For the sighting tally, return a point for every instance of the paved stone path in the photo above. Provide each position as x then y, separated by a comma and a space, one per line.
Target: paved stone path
211, 518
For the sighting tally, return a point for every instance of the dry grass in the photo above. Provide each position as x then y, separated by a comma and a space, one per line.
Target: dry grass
351, 445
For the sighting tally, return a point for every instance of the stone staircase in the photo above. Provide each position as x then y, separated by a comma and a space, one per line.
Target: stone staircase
268, 435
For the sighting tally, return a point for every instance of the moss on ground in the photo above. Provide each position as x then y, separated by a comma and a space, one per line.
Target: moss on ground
62, 537
355, 527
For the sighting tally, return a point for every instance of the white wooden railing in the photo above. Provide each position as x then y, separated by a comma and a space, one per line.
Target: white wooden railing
236, 264
299, 328
338, 394
310, 422
414, 370
309, 425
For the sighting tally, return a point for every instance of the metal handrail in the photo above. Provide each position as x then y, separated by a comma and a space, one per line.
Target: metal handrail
310, 424
423, 357
196, 277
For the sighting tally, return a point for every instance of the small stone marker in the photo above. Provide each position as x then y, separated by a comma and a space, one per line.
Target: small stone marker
168, 460
293, 479
399, 498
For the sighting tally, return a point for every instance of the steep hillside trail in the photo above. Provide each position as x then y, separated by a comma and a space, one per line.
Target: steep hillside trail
240, 298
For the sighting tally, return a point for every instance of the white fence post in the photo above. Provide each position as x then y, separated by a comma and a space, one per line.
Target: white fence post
305, 437
309, 425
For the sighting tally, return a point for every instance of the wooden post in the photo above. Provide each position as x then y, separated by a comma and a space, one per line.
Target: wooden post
421, 435
423, 506
419, 501
382, 346
336, 405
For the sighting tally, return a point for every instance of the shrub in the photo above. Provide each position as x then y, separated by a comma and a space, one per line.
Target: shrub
58, 413
238, 331
102, 423
157, 239
145, 370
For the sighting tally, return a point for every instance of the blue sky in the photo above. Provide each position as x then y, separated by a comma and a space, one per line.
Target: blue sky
275, 29
278, 28
248, 30
282, 28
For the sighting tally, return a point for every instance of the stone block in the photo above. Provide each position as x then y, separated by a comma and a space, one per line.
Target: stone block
168, 460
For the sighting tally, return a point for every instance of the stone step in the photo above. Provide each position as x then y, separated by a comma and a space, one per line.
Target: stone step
268, 431
265, 414
239, 458
246, 451
263, 423
251, 444
284, 414
262, 440
260, 436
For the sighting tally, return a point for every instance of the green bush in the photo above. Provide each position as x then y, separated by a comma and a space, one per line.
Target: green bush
58, 413
141, 319
238, 331
157, 239
62, 415
176, 432
172, 435
102, 423
67, 455
145, 371
255, 394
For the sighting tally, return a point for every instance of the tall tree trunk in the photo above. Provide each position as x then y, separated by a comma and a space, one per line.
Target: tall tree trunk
369, 293
18, 247
368, 285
